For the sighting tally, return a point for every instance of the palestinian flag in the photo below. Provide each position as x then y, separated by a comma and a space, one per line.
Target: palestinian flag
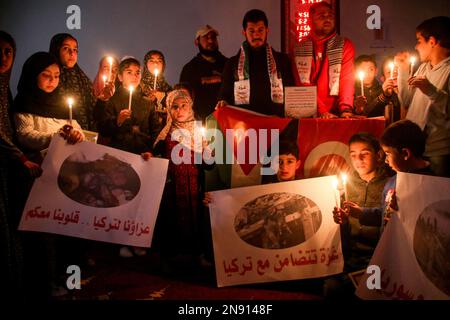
242, 130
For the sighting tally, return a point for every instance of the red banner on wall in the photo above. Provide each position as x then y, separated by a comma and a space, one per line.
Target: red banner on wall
323, 143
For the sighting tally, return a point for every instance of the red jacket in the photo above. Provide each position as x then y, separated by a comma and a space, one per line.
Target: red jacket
325, 102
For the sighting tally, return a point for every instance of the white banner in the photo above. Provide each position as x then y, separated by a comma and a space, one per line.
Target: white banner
413, 253
275, 232
300, 102
95, 192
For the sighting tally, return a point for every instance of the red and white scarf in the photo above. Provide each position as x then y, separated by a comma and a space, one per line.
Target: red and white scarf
334, 51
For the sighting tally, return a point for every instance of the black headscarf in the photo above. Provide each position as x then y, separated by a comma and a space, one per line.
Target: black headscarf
5, 94
75, 83
9, 39
148, 78
30, 98
8, 147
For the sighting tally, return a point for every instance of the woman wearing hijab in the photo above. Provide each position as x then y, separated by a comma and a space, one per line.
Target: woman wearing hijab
73, 81
181, 221
155, 64
39, 114
154, 60
105, 84
39, 110
12, 162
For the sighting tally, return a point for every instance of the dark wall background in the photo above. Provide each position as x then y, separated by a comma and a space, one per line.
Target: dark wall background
133, 27
399, 19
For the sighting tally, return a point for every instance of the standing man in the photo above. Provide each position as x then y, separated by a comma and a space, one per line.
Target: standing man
254, 78
325, 59
203, 74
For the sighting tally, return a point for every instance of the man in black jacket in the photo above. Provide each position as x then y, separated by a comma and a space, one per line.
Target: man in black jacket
203, 74
254, 78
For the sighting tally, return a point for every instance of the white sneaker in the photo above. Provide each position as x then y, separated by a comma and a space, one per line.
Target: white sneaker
139, 251
125, 252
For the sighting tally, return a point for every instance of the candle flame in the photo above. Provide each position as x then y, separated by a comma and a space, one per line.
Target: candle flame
344, 178
203, 131
131, 88
361, 75
412, 60
110, 60
155, 72
70, 102
391, 65
335, 183
104, 78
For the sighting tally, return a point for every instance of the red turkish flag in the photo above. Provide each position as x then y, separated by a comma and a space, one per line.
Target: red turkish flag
323, 143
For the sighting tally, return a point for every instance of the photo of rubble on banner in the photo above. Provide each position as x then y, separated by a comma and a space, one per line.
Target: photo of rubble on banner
95, 192
275, 232
105, 182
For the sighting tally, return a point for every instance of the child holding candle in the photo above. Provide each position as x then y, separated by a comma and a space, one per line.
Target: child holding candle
393, 111
376, 96
427, 93
154, 85
364, 187
103, 90
39, 110
73, 81
40, 113
403, 142
131, 128
182, 228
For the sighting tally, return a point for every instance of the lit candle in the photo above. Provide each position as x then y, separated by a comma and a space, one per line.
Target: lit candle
104, 80
344, 183
155, 72
131, 88
391, 68
361, 76
413, 61
70, 102
110, 61
203, 131
336, 192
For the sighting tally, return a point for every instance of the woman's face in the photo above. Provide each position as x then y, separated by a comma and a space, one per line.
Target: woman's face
155, 62
181, 110
131, 76
104, 69
68, 54
48, 79
6, 56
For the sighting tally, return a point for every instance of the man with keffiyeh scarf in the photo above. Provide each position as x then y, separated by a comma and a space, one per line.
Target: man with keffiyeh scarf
254, 78
325, 59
